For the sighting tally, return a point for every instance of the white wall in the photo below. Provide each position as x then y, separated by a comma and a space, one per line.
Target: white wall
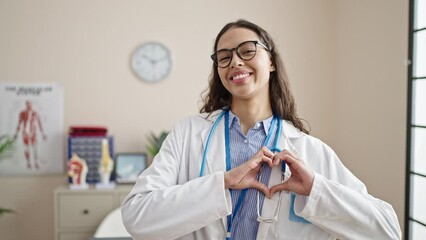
344, 58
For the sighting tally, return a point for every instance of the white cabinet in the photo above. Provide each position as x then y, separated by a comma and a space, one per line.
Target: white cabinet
79, 212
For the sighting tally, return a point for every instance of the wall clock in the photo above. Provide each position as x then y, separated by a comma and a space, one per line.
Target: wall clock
151, 61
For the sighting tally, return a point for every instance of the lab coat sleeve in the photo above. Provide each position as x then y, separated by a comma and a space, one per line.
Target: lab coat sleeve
159, 208
343, 207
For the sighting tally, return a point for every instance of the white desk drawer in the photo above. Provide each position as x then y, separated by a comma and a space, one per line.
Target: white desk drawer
85, 211
75, 236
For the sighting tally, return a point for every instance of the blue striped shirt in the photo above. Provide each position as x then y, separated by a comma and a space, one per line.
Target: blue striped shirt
245, 224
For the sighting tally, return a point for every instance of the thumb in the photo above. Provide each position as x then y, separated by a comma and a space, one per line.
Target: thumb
261, 187
285, 186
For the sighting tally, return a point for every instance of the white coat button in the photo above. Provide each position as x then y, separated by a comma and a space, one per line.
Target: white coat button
246, 141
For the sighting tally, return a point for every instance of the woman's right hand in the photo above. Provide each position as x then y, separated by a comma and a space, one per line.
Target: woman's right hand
244, 176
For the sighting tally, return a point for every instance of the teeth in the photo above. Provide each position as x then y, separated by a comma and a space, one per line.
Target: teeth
240, 76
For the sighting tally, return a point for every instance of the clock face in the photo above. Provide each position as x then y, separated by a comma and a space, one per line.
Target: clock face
151, 61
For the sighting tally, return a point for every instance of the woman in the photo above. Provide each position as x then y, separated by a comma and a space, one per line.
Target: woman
246, 168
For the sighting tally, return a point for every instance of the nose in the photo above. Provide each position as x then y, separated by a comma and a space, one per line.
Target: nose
235, 60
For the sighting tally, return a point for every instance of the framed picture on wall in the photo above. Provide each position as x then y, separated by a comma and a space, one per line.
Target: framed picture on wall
31, 129
128, 166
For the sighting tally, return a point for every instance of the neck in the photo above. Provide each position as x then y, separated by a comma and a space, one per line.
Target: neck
250, 112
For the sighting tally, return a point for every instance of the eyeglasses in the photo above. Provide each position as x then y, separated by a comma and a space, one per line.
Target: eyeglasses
246, 51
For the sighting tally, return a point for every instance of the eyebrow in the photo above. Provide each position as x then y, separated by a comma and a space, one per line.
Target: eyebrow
238, 44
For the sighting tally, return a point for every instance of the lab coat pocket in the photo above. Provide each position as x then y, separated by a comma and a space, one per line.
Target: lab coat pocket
292, 227
292, 215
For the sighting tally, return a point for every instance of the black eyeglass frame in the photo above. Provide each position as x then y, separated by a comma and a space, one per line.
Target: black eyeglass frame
214, 55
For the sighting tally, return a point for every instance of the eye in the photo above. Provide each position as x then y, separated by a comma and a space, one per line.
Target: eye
223, 59
248, 51
223, 56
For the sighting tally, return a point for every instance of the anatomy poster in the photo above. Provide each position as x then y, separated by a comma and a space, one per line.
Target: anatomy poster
31, 129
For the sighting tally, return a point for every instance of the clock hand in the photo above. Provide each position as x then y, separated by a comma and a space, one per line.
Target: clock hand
161, 59
145, 56
152, 61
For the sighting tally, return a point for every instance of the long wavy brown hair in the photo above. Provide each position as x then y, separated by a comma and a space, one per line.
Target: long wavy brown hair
216, 96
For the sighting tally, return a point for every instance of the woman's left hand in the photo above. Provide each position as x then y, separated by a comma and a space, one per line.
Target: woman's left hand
301, 179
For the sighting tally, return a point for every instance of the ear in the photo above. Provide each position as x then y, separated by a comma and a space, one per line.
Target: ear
272, 67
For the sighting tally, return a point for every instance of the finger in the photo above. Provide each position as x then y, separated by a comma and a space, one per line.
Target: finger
287, 152
265, 155
261, 187
257, 160
285, 186
268, 161
267, 152
276, 160
287, 157
290, 160
257, 168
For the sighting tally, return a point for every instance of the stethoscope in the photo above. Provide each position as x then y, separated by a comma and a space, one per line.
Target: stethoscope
275, 148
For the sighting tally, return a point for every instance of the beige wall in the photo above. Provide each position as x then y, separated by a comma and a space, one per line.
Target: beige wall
371, 95
345, 61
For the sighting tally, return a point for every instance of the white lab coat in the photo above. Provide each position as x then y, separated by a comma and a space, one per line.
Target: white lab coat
171, 201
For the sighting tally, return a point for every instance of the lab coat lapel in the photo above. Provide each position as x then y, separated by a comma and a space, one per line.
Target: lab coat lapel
215, 159
216, 156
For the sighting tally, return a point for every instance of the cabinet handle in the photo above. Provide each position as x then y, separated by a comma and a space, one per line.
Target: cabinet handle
85, 211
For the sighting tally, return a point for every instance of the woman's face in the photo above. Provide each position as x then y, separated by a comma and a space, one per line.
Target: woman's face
245, 79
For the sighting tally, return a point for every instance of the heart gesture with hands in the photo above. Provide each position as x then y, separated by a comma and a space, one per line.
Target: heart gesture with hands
244, 176
301, 179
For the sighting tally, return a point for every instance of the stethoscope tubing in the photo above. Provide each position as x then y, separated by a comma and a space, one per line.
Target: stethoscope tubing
275, 148
203, 162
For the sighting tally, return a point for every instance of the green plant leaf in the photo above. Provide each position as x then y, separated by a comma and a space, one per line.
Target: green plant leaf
5, 210
155, 142
6, 144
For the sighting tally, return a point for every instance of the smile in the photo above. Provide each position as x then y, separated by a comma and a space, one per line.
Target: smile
240, 76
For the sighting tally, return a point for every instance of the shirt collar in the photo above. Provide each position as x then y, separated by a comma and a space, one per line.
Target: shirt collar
288, 128
265, 124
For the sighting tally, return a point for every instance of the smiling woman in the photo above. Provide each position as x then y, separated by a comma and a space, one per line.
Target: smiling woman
343, 59
250, 157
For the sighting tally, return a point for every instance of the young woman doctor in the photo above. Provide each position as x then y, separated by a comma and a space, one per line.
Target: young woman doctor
246, 168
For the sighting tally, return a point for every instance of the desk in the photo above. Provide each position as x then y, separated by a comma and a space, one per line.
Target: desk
121, 238
79, 212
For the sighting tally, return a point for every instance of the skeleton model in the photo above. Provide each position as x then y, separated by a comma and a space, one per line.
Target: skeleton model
106, 164
77, 170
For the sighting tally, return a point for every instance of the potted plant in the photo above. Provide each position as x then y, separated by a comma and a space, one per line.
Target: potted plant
155, 142
5, 210
6, 147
